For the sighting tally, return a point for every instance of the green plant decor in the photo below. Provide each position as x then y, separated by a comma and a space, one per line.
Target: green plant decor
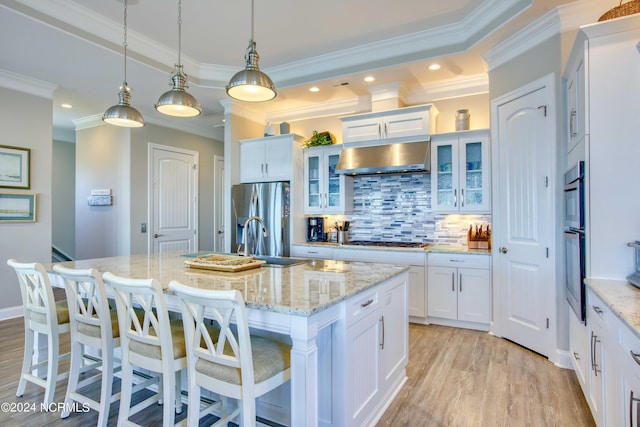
318, 139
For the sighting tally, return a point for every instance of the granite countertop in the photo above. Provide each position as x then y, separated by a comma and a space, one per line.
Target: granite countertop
622, 298
430, 248
302, 289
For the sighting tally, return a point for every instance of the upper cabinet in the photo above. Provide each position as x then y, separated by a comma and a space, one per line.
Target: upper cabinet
460, 180
268, 159
399, 125
602, 100
576, 105
325, 191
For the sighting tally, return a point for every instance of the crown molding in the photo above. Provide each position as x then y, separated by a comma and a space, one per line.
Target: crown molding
457, 88
324, 109
27, 85
204, 130
452, 38
558, 20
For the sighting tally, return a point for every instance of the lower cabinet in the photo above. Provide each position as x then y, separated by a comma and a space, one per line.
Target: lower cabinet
459, 290
611, 380
376, 351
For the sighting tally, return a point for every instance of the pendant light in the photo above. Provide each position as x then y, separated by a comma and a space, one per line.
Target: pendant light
178, 102
123, 114
251, 84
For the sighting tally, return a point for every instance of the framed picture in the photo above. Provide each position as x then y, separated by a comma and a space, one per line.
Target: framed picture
14, 167
17, 207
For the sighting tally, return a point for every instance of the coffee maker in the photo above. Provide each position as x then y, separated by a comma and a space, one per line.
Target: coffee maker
315, 229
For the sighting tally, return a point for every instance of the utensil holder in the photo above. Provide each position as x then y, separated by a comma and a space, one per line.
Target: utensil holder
343, 237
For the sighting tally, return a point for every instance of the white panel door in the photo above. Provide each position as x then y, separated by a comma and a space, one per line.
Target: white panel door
174, 199
524, 219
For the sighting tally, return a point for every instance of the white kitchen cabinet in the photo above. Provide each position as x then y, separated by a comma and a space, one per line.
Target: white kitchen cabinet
325, 191
417, 273
459, 290
268, 159
628, 403
600, 85
460, 172
576, 114
580, 349
376, 349
398, 125
312, 251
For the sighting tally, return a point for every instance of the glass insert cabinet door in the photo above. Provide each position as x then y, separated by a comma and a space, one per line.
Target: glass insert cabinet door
460, 180
314, 192
324, 188
472, 174
447, 181
334, 200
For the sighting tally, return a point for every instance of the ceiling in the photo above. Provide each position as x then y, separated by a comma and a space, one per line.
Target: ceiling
76, 45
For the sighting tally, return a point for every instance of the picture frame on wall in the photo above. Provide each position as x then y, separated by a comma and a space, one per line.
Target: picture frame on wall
15, 207
15, 167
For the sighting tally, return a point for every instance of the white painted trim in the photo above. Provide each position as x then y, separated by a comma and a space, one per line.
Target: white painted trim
562, 359
11, 313
28, 85
559, 19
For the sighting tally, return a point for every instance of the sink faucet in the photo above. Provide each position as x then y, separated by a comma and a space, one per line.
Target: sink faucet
245, 237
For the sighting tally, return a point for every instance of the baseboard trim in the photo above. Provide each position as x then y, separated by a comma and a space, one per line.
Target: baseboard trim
11, 313
562, 359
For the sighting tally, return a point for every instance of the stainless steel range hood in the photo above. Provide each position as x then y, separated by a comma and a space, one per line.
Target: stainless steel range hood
389, 158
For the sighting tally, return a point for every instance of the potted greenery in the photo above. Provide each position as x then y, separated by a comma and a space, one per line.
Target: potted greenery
318, 139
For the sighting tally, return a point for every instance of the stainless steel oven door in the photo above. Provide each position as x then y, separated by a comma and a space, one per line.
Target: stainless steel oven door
574, 197
574, 271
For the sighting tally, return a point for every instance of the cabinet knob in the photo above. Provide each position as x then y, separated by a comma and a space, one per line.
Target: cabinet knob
503, 250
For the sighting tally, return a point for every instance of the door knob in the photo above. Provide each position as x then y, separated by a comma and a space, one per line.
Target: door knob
157, 235
503, 250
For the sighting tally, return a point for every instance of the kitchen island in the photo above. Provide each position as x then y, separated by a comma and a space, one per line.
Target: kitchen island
345, 369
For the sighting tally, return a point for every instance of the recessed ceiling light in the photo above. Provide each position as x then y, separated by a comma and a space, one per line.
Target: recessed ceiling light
369, 79
314, 89
66, 105
434, 67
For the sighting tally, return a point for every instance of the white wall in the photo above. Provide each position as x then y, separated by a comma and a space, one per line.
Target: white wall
103, 162
63, 197
26, 122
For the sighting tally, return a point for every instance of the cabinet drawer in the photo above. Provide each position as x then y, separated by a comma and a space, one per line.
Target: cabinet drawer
459, 260
381, 256
316, 252
362, 305
599, 313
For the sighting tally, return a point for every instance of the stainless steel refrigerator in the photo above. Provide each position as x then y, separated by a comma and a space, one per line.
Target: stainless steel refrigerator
270, 202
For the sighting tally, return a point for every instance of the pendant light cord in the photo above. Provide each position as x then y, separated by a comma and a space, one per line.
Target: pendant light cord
179, 30
252, 8
125, 45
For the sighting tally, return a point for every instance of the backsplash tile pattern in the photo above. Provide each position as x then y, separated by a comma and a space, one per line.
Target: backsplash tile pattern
397, 208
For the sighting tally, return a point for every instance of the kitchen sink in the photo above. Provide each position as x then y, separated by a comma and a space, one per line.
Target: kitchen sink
278, 261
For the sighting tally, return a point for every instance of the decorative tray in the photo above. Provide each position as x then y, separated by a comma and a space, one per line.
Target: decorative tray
229, 263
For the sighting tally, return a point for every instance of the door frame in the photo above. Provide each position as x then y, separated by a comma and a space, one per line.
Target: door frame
218, 199
558, 325
150, 200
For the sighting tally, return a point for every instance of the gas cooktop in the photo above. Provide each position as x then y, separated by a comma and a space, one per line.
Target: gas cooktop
388, 244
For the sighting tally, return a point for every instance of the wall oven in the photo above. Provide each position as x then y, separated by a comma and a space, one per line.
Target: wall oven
574, 239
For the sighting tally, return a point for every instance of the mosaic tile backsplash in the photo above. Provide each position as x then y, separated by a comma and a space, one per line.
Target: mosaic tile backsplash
397, 208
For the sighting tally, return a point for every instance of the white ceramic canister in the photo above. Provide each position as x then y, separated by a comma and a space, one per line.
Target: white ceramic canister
462, 119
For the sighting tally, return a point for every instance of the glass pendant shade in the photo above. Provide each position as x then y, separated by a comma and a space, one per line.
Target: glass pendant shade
178, 102
123, 114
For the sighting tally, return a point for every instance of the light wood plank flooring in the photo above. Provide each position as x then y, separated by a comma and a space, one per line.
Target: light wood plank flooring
457, 377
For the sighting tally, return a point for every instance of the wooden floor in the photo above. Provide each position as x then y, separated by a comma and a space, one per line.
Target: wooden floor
457, 377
